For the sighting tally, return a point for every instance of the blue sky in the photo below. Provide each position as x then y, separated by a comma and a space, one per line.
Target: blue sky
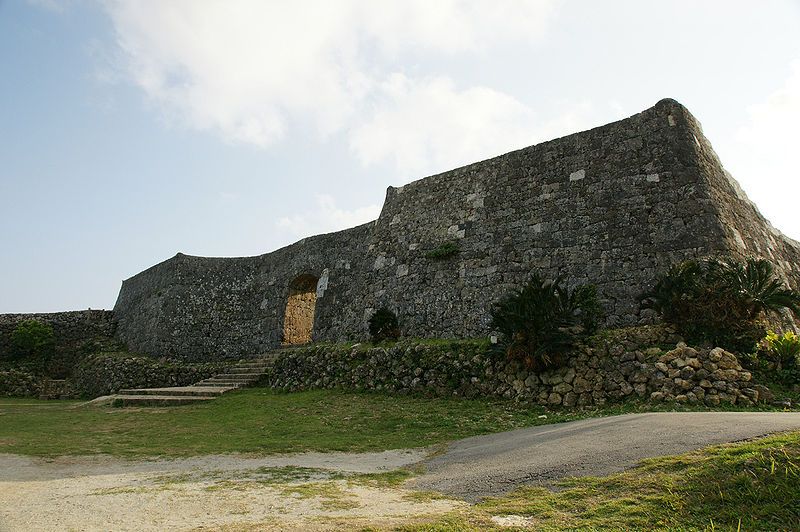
134, 130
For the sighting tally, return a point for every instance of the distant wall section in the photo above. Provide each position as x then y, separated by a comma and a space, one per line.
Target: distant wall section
69, 328
197, 308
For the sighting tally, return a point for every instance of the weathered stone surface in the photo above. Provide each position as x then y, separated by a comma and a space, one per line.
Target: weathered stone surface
462, 369
613, 206
70, 329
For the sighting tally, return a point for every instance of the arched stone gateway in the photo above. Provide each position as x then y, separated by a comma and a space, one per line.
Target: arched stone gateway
298, 322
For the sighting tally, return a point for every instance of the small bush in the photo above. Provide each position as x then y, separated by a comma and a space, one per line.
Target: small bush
543, 320
383, 325
444, 251
785, 348
721, 301
33, 339
778, 358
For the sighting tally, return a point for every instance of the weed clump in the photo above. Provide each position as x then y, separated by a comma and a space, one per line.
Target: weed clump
444, 251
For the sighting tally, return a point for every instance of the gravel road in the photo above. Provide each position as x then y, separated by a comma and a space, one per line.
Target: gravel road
493, 464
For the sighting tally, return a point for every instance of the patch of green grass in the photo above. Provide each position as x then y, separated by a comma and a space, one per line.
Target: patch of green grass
263, 421
389, 479
257, 421
748, 486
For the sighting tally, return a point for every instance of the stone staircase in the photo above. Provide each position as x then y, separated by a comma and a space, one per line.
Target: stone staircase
241, 375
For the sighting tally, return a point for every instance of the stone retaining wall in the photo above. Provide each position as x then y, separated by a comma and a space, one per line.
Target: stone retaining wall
69, 328
641, 362
18, 383
107, 373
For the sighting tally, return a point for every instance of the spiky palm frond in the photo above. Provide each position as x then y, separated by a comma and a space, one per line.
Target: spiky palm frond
754, 285
721, 300
536, 320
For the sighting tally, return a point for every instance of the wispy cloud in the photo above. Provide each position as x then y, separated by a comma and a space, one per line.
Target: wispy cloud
325, 218
252, 70
765, 156
429, 124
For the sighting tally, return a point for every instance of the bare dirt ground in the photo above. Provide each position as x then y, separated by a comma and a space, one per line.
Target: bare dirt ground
335, 491
312, 491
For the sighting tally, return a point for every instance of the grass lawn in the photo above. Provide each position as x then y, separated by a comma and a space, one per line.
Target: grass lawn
256, 421
748, 486
263, 421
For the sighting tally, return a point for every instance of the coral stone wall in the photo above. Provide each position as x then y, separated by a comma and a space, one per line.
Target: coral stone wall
630, 363
69, 328
614, 206
197, 309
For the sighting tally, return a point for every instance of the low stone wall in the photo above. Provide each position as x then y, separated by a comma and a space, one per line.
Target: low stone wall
69, 328
641, 362
107, 373
16, 383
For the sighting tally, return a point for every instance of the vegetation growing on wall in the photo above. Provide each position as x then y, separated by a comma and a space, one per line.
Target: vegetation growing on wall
543, 320
444, 251
723, 301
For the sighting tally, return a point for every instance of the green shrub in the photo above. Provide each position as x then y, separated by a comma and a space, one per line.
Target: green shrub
444, 250
778, 358
785, 348
543, 320
33, 339
383, 325
721, 301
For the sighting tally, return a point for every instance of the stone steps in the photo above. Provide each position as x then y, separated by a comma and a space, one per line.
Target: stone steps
157, 400
240, 375
189, 391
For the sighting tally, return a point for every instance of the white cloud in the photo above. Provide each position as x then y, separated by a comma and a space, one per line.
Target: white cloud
250, 70
429, 125
765, 155
325, 218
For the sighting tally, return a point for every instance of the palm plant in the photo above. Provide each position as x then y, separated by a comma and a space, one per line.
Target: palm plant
753, 286
722, 301
543, 319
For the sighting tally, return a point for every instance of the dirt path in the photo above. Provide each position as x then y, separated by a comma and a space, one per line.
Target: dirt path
497, 463
311, 491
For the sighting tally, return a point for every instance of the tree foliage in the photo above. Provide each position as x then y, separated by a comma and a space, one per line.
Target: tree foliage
33, 339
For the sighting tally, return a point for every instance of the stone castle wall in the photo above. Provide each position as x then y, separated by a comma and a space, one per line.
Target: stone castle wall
196, 308
614, 206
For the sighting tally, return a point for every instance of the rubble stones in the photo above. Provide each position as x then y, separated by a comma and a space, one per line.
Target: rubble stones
594, 375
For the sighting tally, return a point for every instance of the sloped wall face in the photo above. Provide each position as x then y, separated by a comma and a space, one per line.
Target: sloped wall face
612, 206
746, 231
197, 309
